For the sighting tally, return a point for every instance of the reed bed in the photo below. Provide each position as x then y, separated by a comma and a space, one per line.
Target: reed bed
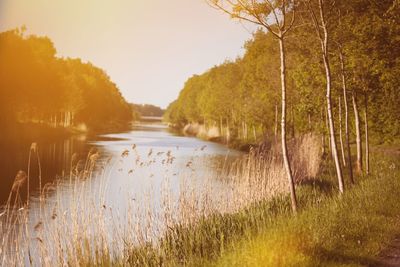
73, 222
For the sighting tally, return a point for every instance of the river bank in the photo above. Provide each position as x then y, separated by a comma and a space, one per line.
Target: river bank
214, 134
329, 230
333, 231
162, 206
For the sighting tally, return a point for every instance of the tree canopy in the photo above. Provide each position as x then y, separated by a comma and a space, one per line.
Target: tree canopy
38, 86
246, 90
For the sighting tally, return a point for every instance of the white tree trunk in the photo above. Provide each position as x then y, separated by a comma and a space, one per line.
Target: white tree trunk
283, 128
358, 134
341, 132
346, 111
327, 130
325, 55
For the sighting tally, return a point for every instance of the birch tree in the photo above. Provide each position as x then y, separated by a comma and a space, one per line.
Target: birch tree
346, 111
278, 18
322, 32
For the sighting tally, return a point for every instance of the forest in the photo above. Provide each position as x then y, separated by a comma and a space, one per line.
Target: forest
148, 110
242, 97
37, 86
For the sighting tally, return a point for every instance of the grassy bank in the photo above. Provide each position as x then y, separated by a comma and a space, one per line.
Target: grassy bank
330, 230
341, 231
246, 222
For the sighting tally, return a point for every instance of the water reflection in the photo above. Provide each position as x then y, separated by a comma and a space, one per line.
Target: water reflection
55, 154
54, 157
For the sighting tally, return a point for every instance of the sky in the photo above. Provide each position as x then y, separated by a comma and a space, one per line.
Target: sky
149, 48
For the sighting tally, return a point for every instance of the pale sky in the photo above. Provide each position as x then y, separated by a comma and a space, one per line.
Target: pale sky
149, 48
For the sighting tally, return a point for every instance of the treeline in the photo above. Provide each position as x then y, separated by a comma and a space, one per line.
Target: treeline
243, 99
36, 86
148, 110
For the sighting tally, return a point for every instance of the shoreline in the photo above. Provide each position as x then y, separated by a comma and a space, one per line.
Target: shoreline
202, 133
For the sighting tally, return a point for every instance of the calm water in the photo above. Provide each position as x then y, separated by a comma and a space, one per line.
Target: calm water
150, 140
133, 168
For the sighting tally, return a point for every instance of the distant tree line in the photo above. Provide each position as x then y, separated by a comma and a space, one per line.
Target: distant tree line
148, 110
37, 86
322, 66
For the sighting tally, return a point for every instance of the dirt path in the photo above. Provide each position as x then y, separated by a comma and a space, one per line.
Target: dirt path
390, 257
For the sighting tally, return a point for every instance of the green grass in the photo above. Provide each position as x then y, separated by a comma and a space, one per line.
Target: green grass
349, 230
342, 231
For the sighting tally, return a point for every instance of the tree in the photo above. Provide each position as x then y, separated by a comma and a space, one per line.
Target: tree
261, 13
346, 111
38, 87
322, 31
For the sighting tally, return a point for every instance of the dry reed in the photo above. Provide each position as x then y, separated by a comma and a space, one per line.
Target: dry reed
79, 226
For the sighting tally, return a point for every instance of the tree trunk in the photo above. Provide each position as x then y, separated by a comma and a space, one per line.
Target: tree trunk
346, 119
341, 132
332, 125
327, 129
325, 55
366, 135
358, 134
283, 127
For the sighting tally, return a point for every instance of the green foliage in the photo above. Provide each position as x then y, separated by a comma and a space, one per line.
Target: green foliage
247, 90
37, 86
148, 110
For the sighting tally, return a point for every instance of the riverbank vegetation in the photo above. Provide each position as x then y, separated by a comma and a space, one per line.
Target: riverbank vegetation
149, 221
242, 97
350, 230
246, 222
320, 54
147, 110
38, 87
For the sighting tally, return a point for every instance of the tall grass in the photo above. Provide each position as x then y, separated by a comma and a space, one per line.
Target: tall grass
348, 230
73, 223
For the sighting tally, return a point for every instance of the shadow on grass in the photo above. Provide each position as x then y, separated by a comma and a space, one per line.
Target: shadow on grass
323, 186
